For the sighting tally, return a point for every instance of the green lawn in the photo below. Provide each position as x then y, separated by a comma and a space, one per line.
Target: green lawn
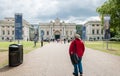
113, 47
27, 47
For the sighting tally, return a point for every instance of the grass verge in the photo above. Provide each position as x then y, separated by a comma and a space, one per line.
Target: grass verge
113, 47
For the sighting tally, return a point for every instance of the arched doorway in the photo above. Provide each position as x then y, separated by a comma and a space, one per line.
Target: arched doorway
57, 35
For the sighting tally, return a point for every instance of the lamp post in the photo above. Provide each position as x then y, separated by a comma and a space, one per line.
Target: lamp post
107, 29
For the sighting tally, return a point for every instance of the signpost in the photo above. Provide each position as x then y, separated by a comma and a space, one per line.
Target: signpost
18, 27
107, 29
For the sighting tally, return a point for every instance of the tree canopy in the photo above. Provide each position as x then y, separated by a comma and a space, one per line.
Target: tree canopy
111, 8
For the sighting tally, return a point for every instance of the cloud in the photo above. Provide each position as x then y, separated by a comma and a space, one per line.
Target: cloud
82, 20
35, 11
93, 18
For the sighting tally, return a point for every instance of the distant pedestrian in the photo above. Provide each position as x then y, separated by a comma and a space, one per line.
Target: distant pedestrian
27, 39
41, 43
35, 41
77, 47
64, 41
68, 40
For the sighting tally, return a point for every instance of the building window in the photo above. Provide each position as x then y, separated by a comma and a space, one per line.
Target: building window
97, 31
47, 32
8, 32
2, 26
94, 38
98, 38
7, 38
3, 32
93, 31
12, 32
2, 38
70, 32
93, 25
97, 24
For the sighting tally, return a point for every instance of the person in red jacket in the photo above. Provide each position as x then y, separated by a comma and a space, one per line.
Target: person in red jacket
77, 46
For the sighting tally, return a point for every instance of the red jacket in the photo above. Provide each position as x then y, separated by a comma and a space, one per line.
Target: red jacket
77, 46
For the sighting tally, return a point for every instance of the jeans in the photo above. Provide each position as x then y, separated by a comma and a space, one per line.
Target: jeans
78, 67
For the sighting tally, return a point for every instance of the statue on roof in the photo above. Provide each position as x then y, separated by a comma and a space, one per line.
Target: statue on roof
57, 20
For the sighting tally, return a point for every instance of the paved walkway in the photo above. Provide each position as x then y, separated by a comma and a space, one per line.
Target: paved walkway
53, 60
3, 57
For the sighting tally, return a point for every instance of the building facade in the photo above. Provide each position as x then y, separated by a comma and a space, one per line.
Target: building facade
79, 29
57, 30
94, 30
31, 32
7, 29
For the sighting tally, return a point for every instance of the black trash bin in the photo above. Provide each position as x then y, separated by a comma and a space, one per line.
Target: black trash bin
15, 54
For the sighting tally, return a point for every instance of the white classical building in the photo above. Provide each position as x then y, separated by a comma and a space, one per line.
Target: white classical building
7, 29
94, 30
57, 30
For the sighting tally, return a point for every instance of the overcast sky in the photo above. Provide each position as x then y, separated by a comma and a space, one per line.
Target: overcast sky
35, 11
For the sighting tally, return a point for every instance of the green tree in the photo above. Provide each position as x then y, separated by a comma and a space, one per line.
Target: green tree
112, 8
